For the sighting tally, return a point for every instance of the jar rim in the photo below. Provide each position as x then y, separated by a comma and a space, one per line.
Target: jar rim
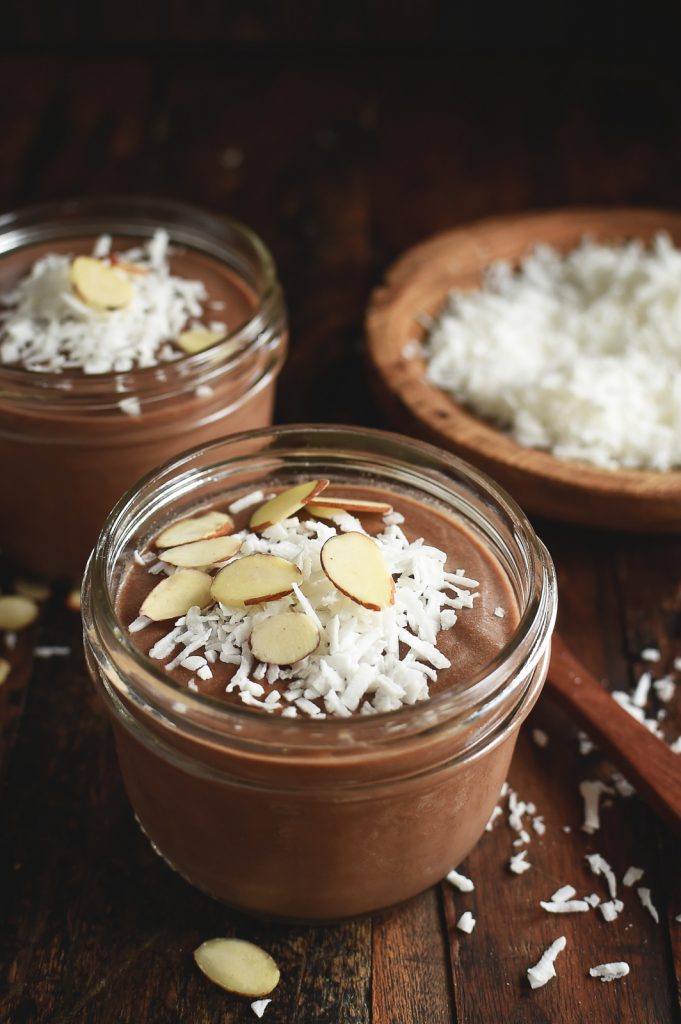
95, 214
209, 717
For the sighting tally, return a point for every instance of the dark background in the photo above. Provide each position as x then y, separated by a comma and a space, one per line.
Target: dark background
343, 133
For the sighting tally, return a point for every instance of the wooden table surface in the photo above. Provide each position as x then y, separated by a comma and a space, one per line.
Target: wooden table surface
341, 160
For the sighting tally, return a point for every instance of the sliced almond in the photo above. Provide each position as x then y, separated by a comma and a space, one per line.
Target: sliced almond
254, 580
284, 639
129, 268
286, 504
33, 589
73, 599
192, 342
202, 552
355, 565
329, 505
99, 285
238, 966
5, 669
203, 527
17, 612
176, 594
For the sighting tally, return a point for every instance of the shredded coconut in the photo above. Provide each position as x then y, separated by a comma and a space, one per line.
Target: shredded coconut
611, 909
544, 969
631, 876
55, 651
540, 737
45, 326
259, 1006
650, 654
366, 660
600, 866
610, 972
591, 792
564, 906
460, 881
579, 354
644, 896
518, 863
466, 922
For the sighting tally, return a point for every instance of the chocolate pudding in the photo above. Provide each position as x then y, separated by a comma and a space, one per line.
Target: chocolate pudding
73, 439
329, 779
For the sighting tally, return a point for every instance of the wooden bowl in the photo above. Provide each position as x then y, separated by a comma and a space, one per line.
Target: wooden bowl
419, 282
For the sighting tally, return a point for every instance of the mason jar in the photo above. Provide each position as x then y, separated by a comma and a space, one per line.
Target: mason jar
300, 818
69, 444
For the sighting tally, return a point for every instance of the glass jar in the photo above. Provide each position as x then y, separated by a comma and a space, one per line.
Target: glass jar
68, 450
306, 819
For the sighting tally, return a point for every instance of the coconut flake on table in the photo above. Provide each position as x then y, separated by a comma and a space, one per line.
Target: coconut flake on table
591, 792
577, 354
611, 909
459, 881
665, 688
366, 660
45, 326
562, 902
610, 972
259, 1006
466, 922
644, 896
540, 737
651, 654
545, 969
631, 876
53, 651
518, 863
600, 866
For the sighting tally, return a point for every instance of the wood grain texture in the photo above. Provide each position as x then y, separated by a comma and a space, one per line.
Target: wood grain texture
646, 761
341, 164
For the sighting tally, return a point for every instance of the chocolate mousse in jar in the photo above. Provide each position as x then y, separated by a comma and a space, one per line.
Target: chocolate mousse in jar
130, 329
316, 645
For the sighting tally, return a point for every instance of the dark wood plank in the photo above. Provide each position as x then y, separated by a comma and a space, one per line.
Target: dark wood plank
512, 930
409, 945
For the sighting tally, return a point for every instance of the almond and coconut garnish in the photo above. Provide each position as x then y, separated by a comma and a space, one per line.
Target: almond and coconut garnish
313, 616
105, 313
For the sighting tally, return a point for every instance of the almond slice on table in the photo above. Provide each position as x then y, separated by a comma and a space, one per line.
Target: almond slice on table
238, 966
17, 612
330, 504
286, 504
176, 594
355, 565
284, 639
203, 527
254, 580
73, 600
202, 552
99, 285
199, 340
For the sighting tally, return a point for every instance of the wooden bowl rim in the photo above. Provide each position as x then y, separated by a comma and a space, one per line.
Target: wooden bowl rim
445, 417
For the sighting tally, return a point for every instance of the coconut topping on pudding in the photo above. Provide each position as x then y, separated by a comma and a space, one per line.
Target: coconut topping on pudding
305, 611
108, 312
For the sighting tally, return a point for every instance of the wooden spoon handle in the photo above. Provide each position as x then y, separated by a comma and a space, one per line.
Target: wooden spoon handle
646, 761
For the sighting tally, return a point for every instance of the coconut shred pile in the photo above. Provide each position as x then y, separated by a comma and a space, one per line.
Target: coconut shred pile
367, 661
578, 354
47, 327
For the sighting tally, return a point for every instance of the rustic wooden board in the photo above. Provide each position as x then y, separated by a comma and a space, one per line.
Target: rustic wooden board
345, 163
